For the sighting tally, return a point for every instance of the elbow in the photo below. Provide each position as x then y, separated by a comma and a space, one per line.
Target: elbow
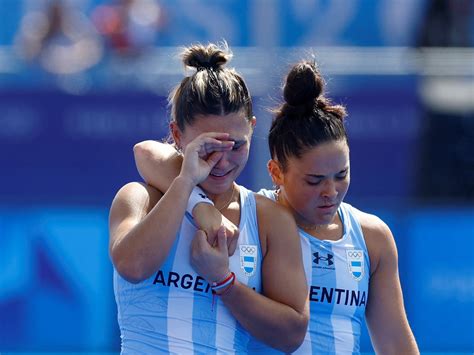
298, 334
294, 334
141, 150
132, 272
132, 275
132, 264
142, 154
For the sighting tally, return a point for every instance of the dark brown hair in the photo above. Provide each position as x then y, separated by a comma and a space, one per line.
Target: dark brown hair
306, 118
211, 90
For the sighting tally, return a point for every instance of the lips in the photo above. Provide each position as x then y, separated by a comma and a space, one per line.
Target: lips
327, 207
219, 175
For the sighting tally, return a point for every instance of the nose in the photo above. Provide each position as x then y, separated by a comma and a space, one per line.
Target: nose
329, 189
223, 162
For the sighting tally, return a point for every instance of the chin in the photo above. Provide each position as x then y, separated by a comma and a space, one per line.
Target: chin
325, 219
215, 189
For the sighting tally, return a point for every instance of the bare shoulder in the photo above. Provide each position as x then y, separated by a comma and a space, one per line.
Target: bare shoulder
372, 225
379, 239
134, 198
276, 224
269, 210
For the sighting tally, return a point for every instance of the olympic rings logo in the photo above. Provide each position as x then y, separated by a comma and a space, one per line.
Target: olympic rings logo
247, 249
354, 254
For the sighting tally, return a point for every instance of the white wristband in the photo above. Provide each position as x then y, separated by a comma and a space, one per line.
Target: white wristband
197, 196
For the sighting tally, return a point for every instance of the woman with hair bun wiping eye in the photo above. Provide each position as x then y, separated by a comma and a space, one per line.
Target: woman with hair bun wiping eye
178, 289
350, 257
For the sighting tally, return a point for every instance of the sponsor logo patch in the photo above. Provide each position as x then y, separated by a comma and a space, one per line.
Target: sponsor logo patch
320, 258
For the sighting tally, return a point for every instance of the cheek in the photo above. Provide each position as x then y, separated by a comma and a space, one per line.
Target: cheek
343, 187
312, 196
240, 156
304, 194
184, 140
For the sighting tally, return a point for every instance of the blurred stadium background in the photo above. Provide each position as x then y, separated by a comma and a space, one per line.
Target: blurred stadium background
82, 81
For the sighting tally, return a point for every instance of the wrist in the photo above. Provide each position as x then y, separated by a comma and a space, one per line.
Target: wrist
220, 278
223, 285
185, 182
196, 197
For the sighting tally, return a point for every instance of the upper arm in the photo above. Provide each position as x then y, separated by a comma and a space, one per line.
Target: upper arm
385, 313
158, 163
131, 204
282, 269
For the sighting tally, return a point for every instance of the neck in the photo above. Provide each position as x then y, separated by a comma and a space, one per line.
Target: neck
222, 201
308, 227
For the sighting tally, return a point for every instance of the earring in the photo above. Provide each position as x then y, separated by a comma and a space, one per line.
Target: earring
178, 149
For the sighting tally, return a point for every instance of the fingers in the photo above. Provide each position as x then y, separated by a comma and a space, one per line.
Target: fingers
232, 242
217, 135
200, 240
222, 240
212, 239
214, 158
196, 154
209, 262
210, 142
232, 234
210, 145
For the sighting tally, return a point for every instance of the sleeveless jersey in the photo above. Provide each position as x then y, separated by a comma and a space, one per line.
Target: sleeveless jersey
173, 311
338, 280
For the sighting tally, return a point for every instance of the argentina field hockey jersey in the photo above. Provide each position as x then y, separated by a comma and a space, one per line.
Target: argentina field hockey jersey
173, 311
338, 280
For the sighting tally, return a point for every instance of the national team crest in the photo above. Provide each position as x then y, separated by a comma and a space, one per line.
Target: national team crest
248, 258
355, 262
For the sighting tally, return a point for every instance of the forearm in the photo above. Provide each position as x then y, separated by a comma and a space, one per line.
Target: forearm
158, 163
393, 338
385, 313
143, 249
274, 323
407, 346
280, 316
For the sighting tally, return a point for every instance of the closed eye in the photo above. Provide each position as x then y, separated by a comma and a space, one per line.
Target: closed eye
342, 175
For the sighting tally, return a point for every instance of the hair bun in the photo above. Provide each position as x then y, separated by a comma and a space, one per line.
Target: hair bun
206, 57
304, 84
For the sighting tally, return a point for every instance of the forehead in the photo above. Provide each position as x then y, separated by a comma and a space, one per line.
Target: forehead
326, 158
236, 124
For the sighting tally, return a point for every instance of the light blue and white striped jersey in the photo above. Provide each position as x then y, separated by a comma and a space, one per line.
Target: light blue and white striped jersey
338, 280
173, 311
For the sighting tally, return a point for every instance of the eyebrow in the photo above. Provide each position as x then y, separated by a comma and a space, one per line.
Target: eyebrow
323, 176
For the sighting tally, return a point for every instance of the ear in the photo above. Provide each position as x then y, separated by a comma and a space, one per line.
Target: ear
176, 133
276, 172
